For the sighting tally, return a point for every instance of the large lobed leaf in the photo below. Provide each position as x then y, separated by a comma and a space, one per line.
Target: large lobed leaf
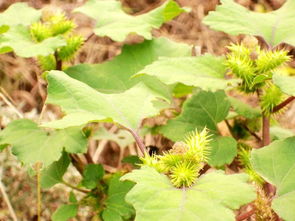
83, 104
114, 76
12, 16
274, 27
116, 208
18, 39
276, 164
31, 144
203, 109
213, 196
223, 151
113, 22
206, 72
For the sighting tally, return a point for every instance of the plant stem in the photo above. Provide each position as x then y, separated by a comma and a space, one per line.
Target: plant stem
38, 171
74, 187
230, 129
283, 104
265, 130
137, 138
252, 133
77, 163
245, 215
58, 62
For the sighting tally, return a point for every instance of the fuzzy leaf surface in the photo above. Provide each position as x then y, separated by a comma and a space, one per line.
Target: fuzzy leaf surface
18, 39
214, 195
54, 173
117, 209
276, 164
83, 104
285, 83
30, 144
244, 109
113, 22
115, 76
274, 27
206, 72
223, 151
204, 109
11, 16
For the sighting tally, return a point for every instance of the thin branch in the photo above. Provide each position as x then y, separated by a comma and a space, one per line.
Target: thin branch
230, 128
42, 113
283, 104
245, 215
11, 105
75, 188
77, 163
6, 199
252, 133
137, 138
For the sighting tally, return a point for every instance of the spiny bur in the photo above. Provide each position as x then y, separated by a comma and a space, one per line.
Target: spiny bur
184, 161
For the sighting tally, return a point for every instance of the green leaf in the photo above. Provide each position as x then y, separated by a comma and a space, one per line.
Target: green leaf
244, 109
19, 14
285, 83
113, 22
31, 144
213, 196
206, 72
277, 133
4, 28
122, 137
116, 207
19, 40
276, 164
83, 104
91, 175
223, 151
54, 173
204, 109
274, 26
114, 76
133, 160
65, 212
72, 198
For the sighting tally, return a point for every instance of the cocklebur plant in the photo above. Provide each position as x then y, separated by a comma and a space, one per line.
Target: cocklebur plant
56, 24
184, 161
139, 83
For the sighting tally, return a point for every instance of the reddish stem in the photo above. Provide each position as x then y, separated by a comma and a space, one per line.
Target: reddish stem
283, 104
265, 130
138, 140
245, 215
58, 62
